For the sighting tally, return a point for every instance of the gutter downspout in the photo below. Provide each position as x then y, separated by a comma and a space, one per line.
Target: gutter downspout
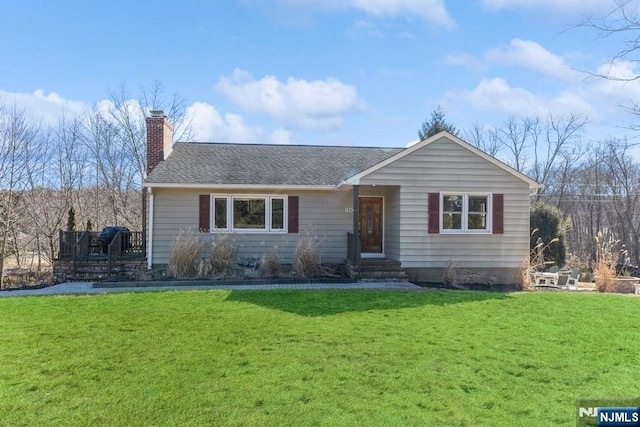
150, 231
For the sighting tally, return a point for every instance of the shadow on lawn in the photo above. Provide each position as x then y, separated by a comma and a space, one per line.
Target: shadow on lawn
325, 303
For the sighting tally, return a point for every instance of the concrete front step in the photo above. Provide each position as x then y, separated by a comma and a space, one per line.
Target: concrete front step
380, 270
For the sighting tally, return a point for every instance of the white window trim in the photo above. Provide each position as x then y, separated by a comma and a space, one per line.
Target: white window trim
268, 208
465, 213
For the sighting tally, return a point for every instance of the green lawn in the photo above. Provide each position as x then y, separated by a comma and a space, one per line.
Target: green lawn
304, 358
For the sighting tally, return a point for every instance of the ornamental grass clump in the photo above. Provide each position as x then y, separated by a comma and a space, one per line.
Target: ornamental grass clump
306, 258
609, 252
185, 256
270, 265
535, 261
223, 255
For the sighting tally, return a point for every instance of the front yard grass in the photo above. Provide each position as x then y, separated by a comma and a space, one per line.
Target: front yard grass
339, 358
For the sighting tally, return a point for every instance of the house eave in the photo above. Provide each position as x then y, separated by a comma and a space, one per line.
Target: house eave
241, 186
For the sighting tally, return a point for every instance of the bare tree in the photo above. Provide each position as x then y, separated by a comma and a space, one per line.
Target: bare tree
16, 139
54, 179
622, 23
623, 180
516, 137
116, 139
486, 139
560, 140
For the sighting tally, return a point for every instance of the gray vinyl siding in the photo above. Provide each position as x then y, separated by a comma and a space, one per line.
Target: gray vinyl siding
322, 215
392, 209
443, 166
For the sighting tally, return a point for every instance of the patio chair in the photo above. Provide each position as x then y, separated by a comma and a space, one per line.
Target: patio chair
572, 281
563, 277
545, 279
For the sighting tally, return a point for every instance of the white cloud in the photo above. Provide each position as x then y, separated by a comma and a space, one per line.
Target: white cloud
620, 70
620, 86
532, 55
318, 104
209, 125
578, 6
433, 11
496, 95
280, 136
466, 61
43, 108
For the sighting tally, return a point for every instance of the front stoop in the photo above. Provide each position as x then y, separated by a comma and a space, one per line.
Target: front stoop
379, 270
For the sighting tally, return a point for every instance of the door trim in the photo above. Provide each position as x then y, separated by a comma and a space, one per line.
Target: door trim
384, 218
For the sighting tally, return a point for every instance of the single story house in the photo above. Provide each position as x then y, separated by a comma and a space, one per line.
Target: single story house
437, 202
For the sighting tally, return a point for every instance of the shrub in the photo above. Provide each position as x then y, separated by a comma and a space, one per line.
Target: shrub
457, 277
223, 255
306, 258
609, 252
537, 253
185, 256
548, 224
24, 278
270, 265
450, 273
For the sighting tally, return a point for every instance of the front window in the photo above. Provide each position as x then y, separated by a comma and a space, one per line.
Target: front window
220, 213
249, 213
477, 216
452, 212
465, 213
277, 213
241, 213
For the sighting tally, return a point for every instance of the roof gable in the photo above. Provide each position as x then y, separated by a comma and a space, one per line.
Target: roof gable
355, 180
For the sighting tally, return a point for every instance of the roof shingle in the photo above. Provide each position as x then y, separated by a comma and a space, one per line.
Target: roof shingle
257, 164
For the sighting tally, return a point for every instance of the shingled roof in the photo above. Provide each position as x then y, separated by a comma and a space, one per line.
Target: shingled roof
260, 164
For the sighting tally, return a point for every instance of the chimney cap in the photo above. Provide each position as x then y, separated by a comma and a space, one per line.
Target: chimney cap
157, 113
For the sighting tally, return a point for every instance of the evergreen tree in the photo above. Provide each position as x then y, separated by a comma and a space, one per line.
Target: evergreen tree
435, 125
89, 226
547, 224
71, 220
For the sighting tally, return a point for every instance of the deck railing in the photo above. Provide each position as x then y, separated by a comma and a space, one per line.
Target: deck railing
82, 245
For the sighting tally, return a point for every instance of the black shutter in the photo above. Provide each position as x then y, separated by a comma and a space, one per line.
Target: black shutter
434, 213
204, 213
293, 214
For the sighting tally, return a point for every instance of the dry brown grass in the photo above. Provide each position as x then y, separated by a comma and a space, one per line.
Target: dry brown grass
604, 268
186, 254
534, 262
24, 278
270, 265
526, 274
223, 256
306, 258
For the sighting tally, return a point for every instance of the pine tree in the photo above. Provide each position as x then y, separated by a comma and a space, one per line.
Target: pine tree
71, 220
435, 125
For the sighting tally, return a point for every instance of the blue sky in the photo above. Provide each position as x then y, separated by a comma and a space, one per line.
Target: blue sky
348, 72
